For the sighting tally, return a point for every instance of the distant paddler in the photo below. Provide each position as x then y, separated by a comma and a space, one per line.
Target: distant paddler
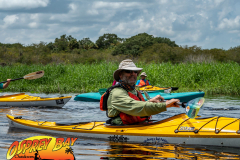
143, 81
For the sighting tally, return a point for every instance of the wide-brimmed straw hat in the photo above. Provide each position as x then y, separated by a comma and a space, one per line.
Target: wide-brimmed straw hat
143, 74
126, 64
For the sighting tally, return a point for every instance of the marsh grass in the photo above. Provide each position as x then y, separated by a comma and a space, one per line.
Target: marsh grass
212, 78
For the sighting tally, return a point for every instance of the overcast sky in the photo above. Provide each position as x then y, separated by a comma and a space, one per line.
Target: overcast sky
205, 23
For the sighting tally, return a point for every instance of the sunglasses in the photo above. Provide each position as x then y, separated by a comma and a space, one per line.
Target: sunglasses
128, 71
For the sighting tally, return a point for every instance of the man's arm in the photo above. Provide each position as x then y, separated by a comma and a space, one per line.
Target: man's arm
120, 100
5, 85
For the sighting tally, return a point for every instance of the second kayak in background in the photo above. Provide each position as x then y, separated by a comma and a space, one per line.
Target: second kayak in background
183, 97
24, 100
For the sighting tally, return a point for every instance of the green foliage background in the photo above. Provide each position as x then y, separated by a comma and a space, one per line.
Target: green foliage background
109, 47
73, 65
212, 78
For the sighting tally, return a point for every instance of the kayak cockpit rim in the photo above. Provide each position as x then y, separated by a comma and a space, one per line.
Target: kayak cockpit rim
183, 115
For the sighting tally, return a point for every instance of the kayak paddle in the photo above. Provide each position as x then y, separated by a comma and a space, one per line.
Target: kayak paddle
192, 107
179, 103
30, 76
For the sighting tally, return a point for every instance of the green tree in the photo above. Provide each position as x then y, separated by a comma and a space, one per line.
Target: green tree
136, 44
73, 44
107, 40
62, 43
86, 43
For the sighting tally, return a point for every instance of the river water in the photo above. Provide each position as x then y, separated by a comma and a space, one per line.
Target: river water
76, 111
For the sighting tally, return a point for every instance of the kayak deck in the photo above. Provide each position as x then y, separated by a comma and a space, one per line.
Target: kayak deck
221, 131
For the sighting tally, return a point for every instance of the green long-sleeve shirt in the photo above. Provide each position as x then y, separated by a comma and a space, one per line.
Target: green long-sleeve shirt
120, 101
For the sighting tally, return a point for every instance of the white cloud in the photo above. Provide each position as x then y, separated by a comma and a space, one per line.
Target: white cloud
189, 36
73, 7
110, 8
115, 5
230, 23
163, 1
204, 22
18, 4
93, 12
34, 16
74, 30
217, 2
128, 29
33, 25
9, 20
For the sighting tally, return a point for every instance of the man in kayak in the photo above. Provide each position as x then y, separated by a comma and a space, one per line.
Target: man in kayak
126, 105
143, 82
5, 85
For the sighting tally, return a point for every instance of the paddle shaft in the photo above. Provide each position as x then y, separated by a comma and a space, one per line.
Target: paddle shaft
183, 104
12, 80
179, 103
29, 76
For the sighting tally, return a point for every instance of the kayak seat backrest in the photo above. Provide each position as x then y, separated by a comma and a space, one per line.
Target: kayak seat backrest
19, 117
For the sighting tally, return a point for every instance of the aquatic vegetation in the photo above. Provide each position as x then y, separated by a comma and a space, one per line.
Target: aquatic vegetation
212, 78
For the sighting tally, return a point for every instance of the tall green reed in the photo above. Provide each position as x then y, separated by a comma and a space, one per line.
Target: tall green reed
212, 78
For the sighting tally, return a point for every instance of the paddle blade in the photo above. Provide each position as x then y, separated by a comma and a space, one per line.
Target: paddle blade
34, 75
194, 106
168, 90
146, 95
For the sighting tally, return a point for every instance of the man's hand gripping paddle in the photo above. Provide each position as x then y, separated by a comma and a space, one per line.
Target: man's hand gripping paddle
192, 107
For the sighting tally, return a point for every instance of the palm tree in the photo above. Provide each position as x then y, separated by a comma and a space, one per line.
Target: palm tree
70, 150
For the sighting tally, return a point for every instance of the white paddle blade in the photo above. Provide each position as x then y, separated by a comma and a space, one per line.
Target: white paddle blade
168, 90
194, 106
34, 75
146, 95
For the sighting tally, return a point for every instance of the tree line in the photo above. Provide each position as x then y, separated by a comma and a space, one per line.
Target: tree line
109, 47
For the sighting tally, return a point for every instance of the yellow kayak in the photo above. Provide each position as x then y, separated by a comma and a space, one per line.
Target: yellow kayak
179, 129
154, 88
24, 100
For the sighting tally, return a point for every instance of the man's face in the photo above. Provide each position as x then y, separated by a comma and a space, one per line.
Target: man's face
143, 77
129, 77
